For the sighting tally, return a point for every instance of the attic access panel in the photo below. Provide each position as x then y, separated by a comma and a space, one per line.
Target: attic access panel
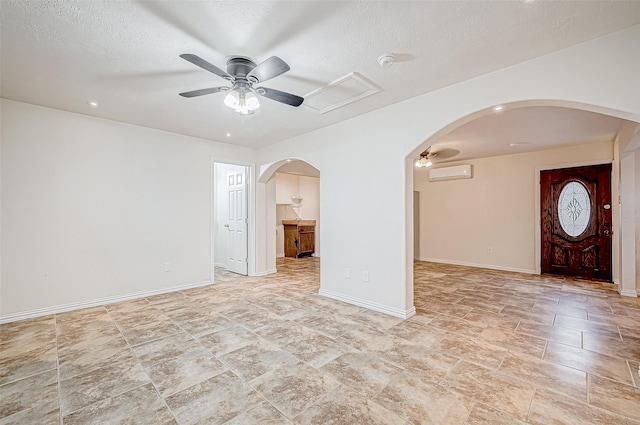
343, 91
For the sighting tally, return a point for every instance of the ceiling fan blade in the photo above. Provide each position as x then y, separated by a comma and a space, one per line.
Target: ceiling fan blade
198, 61
280, 96
268, 69
201, 92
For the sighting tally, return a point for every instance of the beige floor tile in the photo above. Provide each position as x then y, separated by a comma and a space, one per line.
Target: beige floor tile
117, 378
198, 321
476, 303
611, 395
627, 349
19, 361
541, 373
41, 414
375, 320
214, 401
502, 392
136, 333
228, 339
262, 414
457, 325
543, 317
514, 341
142, 405
484, 415
426, 336
422, 403
165, 348
317, 349
293, 386
426, 364
189, 368
361, 372
280, 331
343, 406
84, 315
83, 358
39, 328
551, 333
283, 332
28, 393
589, 361
475, 351
587, 326
256, 359
550, 408
492, 320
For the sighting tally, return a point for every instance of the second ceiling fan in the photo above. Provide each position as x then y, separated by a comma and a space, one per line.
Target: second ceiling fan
243, 73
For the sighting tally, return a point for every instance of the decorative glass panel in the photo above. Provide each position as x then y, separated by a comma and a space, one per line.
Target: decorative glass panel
574, 208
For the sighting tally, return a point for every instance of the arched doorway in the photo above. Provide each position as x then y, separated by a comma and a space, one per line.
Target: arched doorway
289, 192
493, 219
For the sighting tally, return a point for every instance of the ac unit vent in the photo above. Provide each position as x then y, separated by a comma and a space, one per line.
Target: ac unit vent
450, 173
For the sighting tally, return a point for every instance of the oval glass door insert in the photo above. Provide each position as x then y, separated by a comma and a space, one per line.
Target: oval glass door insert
574, 208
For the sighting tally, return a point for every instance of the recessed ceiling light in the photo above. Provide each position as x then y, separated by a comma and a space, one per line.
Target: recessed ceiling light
228, 134
93, 104
518, 144
498, 108
289, 160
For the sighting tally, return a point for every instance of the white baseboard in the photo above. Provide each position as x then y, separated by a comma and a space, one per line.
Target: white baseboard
280, 255
481, 266
21, 315
628, 292
224, 265
266, 272
403, 314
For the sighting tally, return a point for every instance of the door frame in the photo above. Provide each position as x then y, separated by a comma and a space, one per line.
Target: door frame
251, 214
615, 271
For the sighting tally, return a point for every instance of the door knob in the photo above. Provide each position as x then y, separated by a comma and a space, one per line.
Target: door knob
226, 225
607, 233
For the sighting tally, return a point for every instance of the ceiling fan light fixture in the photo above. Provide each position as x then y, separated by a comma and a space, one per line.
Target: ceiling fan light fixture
241, 100
423, 162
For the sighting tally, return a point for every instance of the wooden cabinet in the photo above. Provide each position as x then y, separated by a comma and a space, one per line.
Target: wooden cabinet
299, 237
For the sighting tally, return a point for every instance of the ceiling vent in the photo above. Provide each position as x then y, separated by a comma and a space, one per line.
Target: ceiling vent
341, 92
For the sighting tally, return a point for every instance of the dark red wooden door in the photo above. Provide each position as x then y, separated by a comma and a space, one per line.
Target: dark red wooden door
576, 221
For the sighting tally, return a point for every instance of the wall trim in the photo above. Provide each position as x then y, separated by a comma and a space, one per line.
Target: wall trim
628, 292
403, 314
63, 308
266, 272
481, 266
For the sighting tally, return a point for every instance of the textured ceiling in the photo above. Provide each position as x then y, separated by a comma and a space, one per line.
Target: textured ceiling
124, 54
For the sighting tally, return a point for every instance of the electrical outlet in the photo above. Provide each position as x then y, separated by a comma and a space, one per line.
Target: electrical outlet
365, 276
347, 273
167, 266
489, 250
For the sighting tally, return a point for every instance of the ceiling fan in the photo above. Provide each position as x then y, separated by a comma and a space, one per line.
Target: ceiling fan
243, 73
426, 157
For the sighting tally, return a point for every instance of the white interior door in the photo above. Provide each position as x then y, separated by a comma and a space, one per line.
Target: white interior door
237, 221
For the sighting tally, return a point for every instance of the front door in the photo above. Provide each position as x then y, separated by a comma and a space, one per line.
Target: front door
576, 221
237, 205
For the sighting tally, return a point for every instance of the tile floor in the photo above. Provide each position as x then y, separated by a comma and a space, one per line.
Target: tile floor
485, 347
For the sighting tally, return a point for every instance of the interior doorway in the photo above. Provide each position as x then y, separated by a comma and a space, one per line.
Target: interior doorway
231, 217
576, 222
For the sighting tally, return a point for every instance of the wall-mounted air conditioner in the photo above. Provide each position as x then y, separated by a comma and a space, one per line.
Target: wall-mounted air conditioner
450, 173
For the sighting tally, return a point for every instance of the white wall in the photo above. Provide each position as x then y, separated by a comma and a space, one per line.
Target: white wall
93, 209
366, 206
460, 220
